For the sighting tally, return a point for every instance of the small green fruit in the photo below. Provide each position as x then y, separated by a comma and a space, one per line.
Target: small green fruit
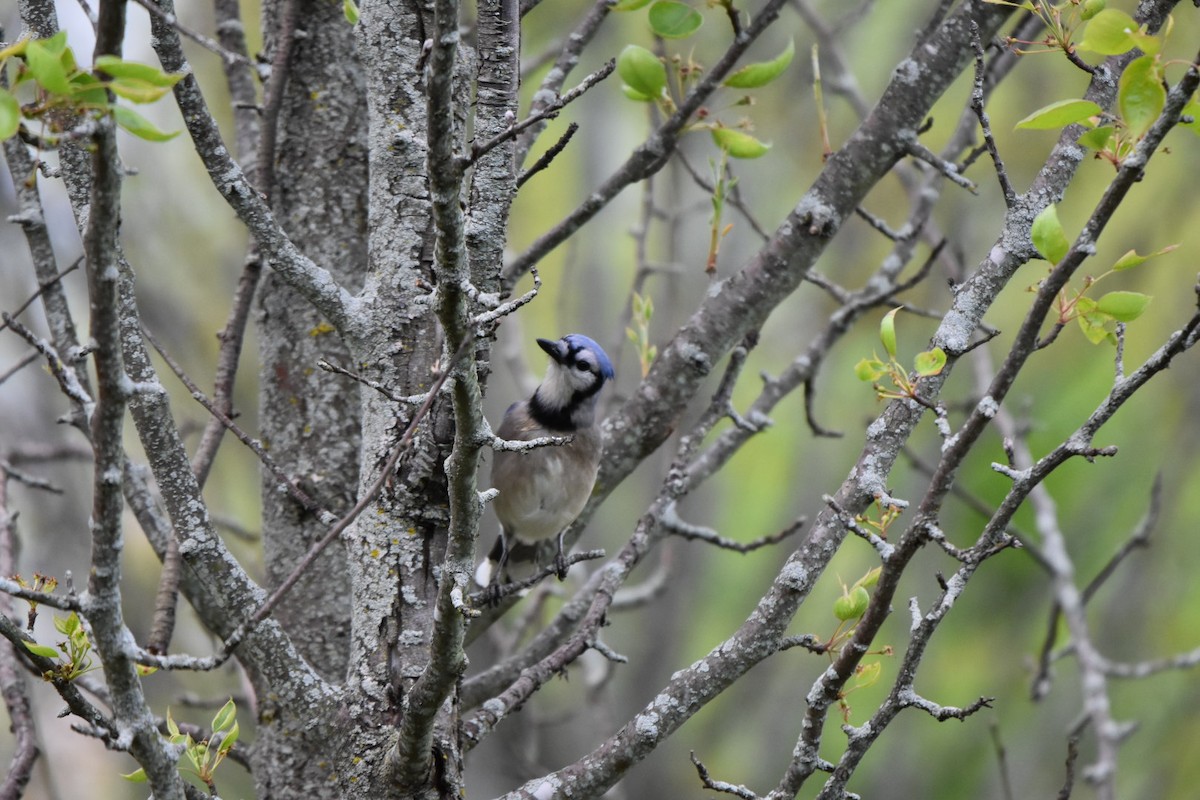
852, 605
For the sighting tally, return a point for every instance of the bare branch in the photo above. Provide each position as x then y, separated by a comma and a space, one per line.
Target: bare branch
518, 587
650, 156
977, 100
413, 400
685, 530
547, 157
287, 482
1139, 538
911, 699
546, 111
211, 45
736, 790
77, 704
948, 169
311, 280
401, 446
13, 687
68, 380
564, 63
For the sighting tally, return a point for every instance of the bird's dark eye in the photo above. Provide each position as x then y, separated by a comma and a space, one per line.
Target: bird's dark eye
582, 366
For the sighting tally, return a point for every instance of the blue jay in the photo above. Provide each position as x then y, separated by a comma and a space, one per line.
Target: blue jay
542, 491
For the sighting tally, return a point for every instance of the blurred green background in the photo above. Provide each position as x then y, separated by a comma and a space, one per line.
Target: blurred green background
187, 248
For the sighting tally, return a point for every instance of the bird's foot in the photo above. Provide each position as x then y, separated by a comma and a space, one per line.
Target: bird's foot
491, 594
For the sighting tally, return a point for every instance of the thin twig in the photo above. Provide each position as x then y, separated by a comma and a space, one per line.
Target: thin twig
737, 790
977, 105
213, 46
549, 155
412, 399
1040, 686
1069, 768
685, 530
42, 287
505, 309
947, 168
565, 62
1001, 761
401, 446
494, 594
287, 482
20, 365
549, 111
67, 379
13, 686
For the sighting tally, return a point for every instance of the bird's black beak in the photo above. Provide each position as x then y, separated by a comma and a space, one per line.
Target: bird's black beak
555, 349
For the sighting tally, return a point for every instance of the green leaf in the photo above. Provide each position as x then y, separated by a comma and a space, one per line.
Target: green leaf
1148, 43
230, 738
1060, 114
869, 369
1090, 8
17, 48
930, 362
866, 675
119, 68
1093, 328
43, 650
629, 5
1123, 306
1109, 33
10, 114
45, 62
673, 20
635, 95
738, 144
1096, 138
195, 752
139, 126
88, 90
642, 72
137, 776
172, 727
1134, 259
1140, 95
753, 76
350, 11
1048, 235
1192, 110
225, 717
870, 579
137, 90
887, 332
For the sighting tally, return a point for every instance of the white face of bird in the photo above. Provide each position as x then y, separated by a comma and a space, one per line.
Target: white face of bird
574, 371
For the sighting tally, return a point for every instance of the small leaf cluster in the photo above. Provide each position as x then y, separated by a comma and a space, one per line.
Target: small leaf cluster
75, 650
647, 80
926, 364
639, 331
886, 512
1060, 21
1097, 317
1140, 93
40, 583
205, 756
723, 184
849, 608
51, 82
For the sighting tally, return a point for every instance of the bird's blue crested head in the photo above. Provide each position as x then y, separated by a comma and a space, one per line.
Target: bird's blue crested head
577, 342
